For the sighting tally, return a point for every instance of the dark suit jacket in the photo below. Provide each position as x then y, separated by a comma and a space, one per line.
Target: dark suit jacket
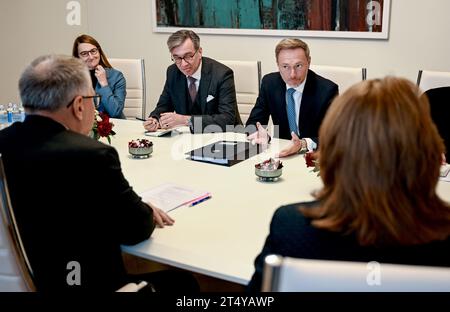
292, 235
440, 112
316, 98
217, 80
72, 203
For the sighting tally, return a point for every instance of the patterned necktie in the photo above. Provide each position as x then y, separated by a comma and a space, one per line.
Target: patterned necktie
290, 108
192, 88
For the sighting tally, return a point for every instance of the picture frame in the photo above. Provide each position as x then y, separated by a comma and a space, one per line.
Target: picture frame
361, 19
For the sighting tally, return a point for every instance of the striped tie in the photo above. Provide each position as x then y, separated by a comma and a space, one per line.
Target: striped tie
290, 108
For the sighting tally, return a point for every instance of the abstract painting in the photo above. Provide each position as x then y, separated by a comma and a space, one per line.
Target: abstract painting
309, 18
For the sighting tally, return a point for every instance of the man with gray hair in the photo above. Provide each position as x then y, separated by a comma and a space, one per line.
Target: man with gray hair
199, 91
73, 206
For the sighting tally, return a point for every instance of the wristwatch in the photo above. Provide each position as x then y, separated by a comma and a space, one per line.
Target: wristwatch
303, 146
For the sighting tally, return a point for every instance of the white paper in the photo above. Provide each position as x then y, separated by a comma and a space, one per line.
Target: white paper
169, 196
444, 173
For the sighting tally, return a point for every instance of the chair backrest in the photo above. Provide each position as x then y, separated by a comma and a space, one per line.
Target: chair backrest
344, 77
427, 79
247, 79
15, 271
304, 275
134, 73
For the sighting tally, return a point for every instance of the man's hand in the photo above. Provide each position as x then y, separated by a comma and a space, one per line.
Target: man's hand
259, 137
160, 217
171, 120
151, 124
294, 147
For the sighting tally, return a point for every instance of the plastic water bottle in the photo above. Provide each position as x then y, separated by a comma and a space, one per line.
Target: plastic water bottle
21, 113
9, 113
16, 113
3, 117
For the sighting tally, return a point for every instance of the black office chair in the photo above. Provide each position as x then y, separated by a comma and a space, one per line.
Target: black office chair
440, 112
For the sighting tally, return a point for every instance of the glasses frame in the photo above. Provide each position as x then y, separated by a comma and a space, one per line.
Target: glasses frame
93, 97
93, 52
178, 60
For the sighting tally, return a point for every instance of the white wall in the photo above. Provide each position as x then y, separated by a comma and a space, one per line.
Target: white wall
29, 28
418, 39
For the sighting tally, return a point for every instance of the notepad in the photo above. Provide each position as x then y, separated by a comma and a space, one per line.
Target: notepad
169, 196
160, 132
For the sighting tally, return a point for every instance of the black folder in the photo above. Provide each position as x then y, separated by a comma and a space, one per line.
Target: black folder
225, 153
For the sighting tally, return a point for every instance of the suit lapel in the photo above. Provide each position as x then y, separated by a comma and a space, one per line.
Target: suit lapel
181, 94
205, 81
280, 98
307, 104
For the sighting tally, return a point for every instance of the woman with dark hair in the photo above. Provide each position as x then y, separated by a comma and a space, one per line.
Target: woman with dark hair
380, 155
108, 82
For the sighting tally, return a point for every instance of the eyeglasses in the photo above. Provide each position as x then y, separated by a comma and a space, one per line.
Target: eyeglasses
95, 98
92, 52
188, 58
288, 69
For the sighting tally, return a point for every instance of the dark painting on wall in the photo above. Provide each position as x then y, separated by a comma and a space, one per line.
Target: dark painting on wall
321, 18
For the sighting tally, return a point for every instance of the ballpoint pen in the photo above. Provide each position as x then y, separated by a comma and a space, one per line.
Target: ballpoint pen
142, 119
199, 201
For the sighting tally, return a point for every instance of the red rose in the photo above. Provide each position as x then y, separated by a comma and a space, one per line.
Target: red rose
104, 128
310, 158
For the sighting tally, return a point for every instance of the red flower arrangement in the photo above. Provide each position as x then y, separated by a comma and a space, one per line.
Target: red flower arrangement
102, 126
312, 160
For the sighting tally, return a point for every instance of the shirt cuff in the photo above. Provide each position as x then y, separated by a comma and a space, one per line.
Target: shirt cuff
310, 144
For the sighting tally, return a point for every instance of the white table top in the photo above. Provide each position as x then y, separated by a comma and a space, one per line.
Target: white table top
222, 236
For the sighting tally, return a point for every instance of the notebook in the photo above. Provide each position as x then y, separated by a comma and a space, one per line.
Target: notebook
160, 132
225, 153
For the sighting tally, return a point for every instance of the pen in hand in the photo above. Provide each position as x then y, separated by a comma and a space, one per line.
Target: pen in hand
142, 119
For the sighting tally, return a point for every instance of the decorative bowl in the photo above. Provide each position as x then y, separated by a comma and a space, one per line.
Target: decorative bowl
140, 148
269, 170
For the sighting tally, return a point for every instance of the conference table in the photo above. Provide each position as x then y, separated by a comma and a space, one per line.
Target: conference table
219, 237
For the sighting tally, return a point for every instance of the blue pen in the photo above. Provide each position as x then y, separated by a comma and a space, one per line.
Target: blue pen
199, 201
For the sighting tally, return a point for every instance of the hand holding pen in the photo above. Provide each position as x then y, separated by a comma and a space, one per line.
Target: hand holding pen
150, 124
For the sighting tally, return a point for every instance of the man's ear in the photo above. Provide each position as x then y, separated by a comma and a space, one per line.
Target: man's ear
78, 107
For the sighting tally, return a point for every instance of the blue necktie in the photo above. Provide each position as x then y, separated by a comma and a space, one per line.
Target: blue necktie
290, 108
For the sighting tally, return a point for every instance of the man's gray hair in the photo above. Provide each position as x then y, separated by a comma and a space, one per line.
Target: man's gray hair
52, 81
177, 39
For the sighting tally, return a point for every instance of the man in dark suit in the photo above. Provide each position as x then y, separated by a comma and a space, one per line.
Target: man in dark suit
73, 206
199, 92
295, 97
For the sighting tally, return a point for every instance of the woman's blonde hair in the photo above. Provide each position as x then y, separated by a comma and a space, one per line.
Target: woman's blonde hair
380, 155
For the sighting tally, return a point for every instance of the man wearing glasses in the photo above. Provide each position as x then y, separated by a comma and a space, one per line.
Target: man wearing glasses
66, 187
199, 91
295, 97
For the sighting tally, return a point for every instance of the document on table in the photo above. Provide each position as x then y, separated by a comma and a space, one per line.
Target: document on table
169, 196
161, 132
444, 173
